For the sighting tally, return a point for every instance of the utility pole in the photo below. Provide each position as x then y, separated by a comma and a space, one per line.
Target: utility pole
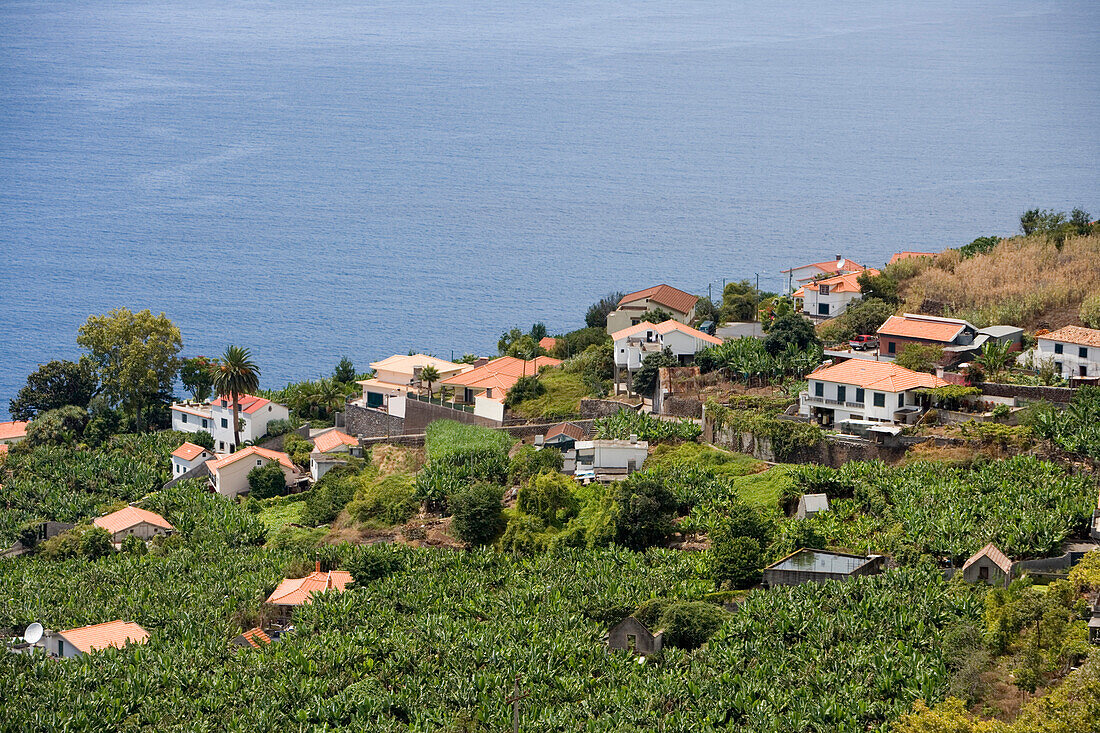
756, 300
514, 699
708, 292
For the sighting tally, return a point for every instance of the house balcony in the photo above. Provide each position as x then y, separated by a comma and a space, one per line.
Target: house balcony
807, 398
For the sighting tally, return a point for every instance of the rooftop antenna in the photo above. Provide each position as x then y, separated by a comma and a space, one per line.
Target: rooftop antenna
33, 633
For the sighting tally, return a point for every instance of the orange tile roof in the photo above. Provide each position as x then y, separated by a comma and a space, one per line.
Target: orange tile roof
568, 429
100, 636
246, 403
908, 255
130, 516
665, 295
994, 554
1074, 335
882, 375
298, 591
188, 451
507, 369
333, 439
13, 429
833, 266
927, 328
255, 637
663, 328
548, 342
841, 283
252, 450
405, 364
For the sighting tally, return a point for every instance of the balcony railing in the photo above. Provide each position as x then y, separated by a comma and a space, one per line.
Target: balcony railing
440, 402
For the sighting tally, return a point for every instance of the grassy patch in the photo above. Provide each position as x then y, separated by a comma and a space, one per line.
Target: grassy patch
564, 391
279, 515
763, 489
697, 455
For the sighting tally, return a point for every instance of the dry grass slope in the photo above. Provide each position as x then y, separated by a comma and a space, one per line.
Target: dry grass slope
1025, 281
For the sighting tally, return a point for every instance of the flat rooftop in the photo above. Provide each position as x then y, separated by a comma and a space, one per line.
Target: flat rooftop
820, 561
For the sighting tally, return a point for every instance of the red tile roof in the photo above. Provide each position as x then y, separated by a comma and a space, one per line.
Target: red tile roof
130, 516
246, 403
908, 255
252, 450
665, 295
548, 342
299, 591
832, 266
13, 429
188, 451
333, 439
500, 374
255, 637
994, 554
881, 375
100, 636
663, 328
1074, 335
568, 429
925, 328
841, 283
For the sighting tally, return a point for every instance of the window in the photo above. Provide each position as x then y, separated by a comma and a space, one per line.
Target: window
823, 289
880, 399
259, 462
891, 347
841, 393
225, 423
983, 572
819, 389
184, 416
1057, 348
204, 422
1083, 352
823, 309
859, 395
901, 400
1058, 367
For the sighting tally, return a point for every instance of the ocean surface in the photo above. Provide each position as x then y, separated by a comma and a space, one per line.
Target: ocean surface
315, 179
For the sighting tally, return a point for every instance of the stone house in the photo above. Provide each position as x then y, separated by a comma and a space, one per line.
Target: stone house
631, 634
988, 565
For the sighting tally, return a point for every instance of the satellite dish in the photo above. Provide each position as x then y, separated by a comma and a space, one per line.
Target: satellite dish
33, 633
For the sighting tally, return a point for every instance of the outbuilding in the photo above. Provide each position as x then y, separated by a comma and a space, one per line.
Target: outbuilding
988, 565
631, 634
133, 522
819, 566
811, 504
85, 639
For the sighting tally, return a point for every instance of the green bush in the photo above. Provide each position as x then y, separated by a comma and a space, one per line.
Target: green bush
477, 516
375, 562
275, 428
625, 423
644, 510
298, 448
525, 534
734, 561
63, 426
386, 501
267, 481
689, 624
549, 496
528, 462
329, 496
526, 388
560, 396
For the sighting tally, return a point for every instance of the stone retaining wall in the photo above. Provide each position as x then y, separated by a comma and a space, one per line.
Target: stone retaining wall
1028, 392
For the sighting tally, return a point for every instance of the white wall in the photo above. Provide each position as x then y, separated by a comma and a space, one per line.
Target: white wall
52, 639
194, 423
232, 480
180, 466
1070, 357
487, 408
837, 302
142, 530
851, 410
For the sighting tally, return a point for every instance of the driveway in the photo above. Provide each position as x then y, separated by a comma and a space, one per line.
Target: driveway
738, 330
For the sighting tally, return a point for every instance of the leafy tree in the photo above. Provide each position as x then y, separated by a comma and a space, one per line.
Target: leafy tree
134, 545
644, 380
657, 315
979, 246
790, 329
197, 377
202, 438
707, 310
386, 501
429, 375
236, 374
993, 358
1044, 221
734, 561
1081, 221
1089, 313
528, 462
862, 316
576, 342
773, 309
689, 624
525, 388
538, 331
880, 287
920, 357
643, 512
596, 317
266, 481
739, 301
298, 448
374, 562
477, 516
104, 421
134, 356
63, 426
95, 543
548, 496
344, 372
53, 385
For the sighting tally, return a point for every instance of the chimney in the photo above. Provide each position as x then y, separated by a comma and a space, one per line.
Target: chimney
317, 565
633, 439
839, 258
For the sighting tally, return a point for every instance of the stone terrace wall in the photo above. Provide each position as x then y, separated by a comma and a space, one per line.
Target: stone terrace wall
1027, 392
591, 408
371, 423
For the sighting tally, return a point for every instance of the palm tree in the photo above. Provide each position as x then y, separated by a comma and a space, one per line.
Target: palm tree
429, 374
994, 357
235, 374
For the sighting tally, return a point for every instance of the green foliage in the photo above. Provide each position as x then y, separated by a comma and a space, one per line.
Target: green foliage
525, 388
84, 541
657, 315
95, 543
549, 496
373, 563
312, 401
298, 448
1085, 575
275, 428
788, 330
579, 341
134, 545
345, 371
205, 519
702, 456
625, 423
644, 380
477, 517
643, 511
881, 287
457, 454
994, 358
979, 246
133, 356
920, 357
329, 496
528, 462
747, 360
235, 374
690, 624
1075, 429
1041, 221
197, 377
385, 501
861, 317
63, 426
53, 385
1089, 312
735, 561
596, 317
558, 395
522, 345
739, 302
266, 481
787, 437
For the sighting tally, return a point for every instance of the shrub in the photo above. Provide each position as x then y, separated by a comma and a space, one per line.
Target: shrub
279, 427
525, 388
388, 501
734, 561
298, 448
560, 398
477, 516
790, 329
525, 535
328, 497
1085, 575
689, 624
920, 357
650, 612
204, 439
267, 481
548, 496
1090, 311
528, 462
374, 562
644, 510
62, 426
134, 545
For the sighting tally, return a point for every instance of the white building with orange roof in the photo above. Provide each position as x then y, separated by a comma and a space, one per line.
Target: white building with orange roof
87, 639
187, 456
399, 375
330, 449
830, 296
13, 431
294, 592
797, 277
229, 474
633, 306
216, 418
1074, 351
634, 343
133, 522
859, 389
485, 387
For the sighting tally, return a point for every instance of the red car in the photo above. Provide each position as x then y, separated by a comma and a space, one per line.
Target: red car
864, 342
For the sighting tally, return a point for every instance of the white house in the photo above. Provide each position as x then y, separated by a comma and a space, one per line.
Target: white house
133, 522
216, 418
229, 474
606, 458
677, 303
858, 389
831, 296
330, 449
797, 277
399, 375
187, 456
1074, 350
86, 639
634, 343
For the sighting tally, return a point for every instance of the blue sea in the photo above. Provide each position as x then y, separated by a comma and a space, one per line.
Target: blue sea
315, 179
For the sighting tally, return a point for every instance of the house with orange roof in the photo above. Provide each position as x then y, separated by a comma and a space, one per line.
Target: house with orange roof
485, 387
548, 343
229, 473
216, 417
294, 592
678, 304
13, 431
400, 375
797, 277
899, 256
87, 639
634, 343
909, 328
187, 456
859, 389
132, 521
829, 296
255, 638
1074, 351
331, 448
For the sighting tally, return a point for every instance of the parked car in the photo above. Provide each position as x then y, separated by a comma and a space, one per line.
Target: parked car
864, 342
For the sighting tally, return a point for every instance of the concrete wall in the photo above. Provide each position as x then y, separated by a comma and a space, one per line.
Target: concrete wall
1026, 392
